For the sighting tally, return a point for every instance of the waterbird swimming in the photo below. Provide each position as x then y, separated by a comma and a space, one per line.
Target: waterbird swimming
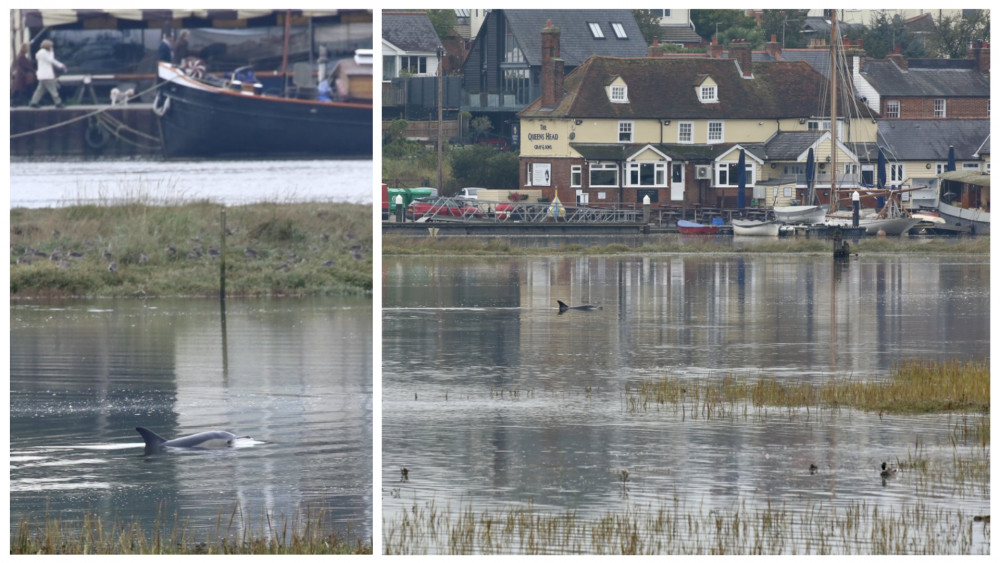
201, 440
887, 471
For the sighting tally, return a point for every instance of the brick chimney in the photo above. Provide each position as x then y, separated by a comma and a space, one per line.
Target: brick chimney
980, 52
715, 50
896, 57
552, 67
773, 48
739, 51
654, 50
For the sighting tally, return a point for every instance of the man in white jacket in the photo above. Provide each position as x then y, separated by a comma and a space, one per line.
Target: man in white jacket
46, 75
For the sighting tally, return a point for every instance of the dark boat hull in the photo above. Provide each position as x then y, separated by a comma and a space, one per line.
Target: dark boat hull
199, 121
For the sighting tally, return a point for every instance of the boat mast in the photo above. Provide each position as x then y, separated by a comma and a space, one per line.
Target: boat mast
833, 110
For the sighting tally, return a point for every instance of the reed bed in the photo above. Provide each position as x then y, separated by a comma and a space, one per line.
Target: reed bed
743, 528
309, 534
395, 245
914, 386
143, 249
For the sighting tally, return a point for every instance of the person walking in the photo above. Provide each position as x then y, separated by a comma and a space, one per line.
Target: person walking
22, 76
47, 82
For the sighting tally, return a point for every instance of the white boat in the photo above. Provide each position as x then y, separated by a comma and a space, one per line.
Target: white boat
807, 214
756, 228
964, 200
873, 223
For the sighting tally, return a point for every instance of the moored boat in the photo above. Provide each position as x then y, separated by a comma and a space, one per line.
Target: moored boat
692, 228
964, 200
212, 118
756, 228
805, 214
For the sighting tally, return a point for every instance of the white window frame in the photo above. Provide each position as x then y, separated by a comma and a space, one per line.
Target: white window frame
892, 109
708, 94
576, 176
626, 131
721, 133
970, 166
603, 167
618, 94
724, 166
940, 107
660, 176
595, 30
687, 126
619, 30
895, 173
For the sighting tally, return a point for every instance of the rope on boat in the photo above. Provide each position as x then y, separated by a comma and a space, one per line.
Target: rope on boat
79, 117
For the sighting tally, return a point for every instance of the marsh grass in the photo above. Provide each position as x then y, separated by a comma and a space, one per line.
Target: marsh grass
297, 249
395, 245
308, 534
916, 386
743, 528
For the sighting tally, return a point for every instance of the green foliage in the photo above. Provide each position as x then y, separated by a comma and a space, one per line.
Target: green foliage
649, 24
483, 166
954, 35
786, 26
707, 21
481, 125
443, 22
885, 33
752, 35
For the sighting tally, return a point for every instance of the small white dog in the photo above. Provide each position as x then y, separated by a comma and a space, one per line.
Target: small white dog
119, 98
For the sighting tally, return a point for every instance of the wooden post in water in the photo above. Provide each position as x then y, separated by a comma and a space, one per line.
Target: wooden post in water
222, 288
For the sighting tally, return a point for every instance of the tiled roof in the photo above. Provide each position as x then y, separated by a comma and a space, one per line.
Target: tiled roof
889, 80
928, 139
664, 88
789, 145
410, 31
576, 43
679, 34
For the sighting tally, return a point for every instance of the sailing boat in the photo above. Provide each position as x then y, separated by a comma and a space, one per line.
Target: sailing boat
809, 213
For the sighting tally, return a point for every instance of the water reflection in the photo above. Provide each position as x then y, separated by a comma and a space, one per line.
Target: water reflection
298, 380
491, 397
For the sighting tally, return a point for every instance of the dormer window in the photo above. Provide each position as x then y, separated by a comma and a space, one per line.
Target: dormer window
708, 94
619, 94
619, 30
595, 30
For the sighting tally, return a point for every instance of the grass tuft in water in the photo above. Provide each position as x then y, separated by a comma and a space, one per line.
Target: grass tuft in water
914, 386
308, 535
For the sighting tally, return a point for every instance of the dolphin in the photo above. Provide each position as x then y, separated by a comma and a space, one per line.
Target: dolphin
201, 440
564, 307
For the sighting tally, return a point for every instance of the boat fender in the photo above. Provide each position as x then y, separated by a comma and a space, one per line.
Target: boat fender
96, 136
161, 109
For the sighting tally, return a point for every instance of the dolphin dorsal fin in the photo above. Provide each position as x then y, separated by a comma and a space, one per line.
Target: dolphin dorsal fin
151, 438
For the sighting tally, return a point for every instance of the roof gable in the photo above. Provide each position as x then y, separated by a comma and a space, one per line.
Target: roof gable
576, 42
410, 31
659, 88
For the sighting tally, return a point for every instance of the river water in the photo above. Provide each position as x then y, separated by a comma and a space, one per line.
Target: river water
235, 182
293, 374
492, 399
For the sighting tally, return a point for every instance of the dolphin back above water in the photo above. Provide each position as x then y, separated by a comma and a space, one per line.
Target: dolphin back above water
564, 307
202, 440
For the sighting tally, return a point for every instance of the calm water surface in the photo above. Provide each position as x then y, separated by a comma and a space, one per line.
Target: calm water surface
492, 399
294, 374
234, 182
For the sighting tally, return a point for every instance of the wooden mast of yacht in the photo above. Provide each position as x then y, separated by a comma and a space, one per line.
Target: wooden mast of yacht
833, 110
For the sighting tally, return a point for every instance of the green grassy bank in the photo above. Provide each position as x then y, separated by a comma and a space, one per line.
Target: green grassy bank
394, 245
142, 250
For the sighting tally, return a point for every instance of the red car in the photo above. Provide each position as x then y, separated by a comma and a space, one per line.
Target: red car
441, 207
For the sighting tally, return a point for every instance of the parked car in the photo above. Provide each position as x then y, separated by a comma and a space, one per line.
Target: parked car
441, 207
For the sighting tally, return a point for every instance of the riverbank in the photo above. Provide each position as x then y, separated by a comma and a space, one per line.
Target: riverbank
138, 249
479, 246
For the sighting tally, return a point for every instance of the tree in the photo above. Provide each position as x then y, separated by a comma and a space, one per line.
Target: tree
443, 21
481, 125
480, 165
707, 21
884, 34
953, 35
786, 26
649, 24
